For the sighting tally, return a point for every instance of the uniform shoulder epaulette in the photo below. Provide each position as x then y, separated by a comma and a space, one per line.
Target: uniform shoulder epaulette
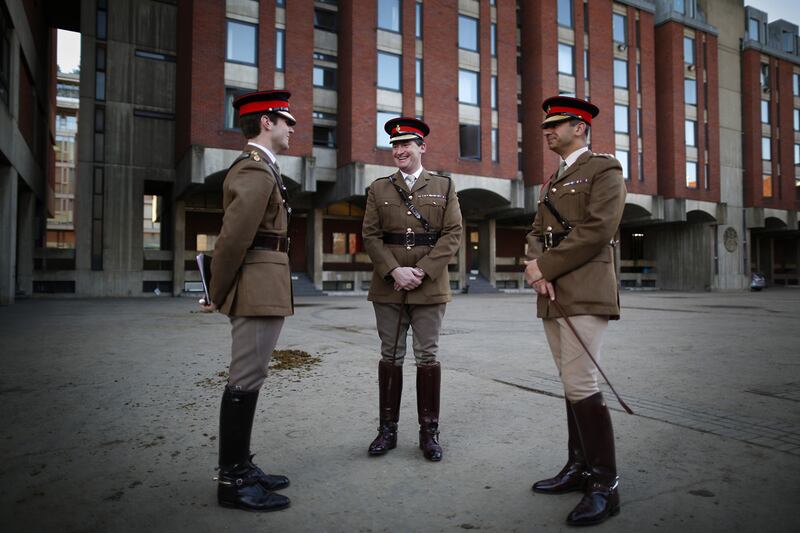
607, 156
439, 175
255, 156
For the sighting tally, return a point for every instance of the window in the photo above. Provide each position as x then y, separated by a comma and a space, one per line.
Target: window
691, 132
325, 20
280, 61
621, 118
325, 136
493, 39
639, 122
344, 243
640, 166
418, 20
566, 60
100, 74
231, 116
764, 75
565, 13
389, 15
324, 77
797, 154
381, 139
494, 145
624, 159
796, 119
765, 111
752, 29
418, 78
788, 42
388, 71
241, 42
468, 33
766, 186
5, 56
469, 137
621, 73
688, 50
690, 91
691, 174
102, 21
795, 84
280, 3
468, 87
494, 92
680, 6
620, 28
766, 148
585, 64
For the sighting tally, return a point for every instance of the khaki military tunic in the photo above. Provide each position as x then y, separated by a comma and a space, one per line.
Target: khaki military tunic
591, 196
251, 283
435, 198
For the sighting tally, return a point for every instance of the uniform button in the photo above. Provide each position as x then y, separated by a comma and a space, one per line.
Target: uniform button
434, 203
385, 203
553, 189
408, 247
408, 212
572, 190
549, 228
410, 196
408, 229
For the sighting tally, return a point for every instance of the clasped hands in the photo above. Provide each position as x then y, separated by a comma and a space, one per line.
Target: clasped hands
407, 278
535, 278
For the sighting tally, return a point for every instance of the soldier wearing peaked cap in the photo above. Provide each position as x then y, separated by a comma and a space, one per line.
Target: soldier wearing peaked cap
571, 261
412, 228
251, 284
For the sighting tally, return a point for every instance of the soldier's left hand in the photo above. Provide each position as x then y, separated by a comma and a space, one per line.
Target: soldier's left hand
545, 288
532, 272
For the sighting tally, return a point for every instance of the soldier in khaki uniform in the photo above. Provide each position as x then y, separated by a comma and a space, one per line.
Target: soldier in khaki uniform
251, 284
571, 259
412, 228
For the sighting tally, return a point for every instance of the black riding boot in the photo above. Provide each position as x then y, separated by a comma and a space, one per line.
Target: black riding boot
574, 474
390, 389
241, 483
601, 497
429, 379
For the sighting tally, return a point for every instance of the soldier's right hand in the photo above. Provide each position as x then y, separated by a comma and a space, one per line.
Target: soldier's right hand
406, 278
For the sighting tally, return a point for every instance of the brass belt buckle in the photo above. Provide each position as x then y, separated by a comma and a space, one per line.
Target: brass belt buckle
410, 237
548, 240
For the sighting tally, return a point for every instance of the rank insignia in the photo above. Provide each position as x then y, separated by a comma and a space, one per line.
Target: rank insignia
256, 157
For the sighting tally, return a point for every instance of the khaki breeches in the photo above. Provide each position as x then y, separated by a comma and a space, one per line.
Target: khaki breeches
253, 340
577, 371
425, 322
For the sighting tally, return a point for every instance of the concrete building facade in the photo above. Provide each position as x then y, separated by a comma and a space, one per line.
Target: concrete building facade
157, 132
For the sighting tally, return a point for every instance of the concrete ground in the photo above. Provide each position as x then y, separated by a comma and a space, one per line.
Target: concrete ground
109, 411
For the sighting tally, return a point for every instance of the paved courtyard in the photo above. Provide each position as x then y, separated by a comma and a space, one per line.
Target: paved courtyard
109, 411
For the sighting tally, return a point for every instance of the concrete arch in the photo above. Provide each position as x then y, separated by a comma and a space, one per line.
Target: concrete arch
479, 201
700, 216
772, 222
635, 212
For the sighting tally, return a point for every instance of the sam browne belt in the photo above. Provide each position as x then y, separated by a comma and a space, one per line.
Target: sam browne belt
266, 241
409, 239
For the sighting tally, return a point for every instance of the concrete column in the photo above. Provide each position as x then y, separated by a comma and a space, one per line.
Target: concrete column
9, 184
178, 247
462, 259
488, 249
314, 247
26, 239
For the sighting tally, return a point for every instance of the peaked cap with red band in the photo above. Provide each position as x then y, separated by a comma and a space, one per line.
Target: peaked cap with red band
405, 129
561, 108
264, 102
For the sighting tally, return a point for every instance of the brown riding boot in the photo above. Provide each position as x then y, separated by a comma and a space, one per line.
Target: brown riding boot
390, 388
601, 497
429, 378
574, 474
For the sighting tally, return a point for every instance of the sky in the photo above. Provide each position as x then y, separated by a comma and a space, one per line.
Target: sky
69, 43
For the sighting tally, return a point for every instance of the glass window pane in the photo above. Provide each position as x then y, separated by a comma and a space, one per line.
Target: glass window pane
241, 42
388, 71
418, 78
565, 13
418, 20
752, 29
621, 118
680, 6
494, 92
691, 174
788, 42
325, 20
796, 119
691, 132
468, 87
279, 47
469, 141
467, 33
389, 15
766, 189
621, 73
690, 91
796, 84
620, 28
688, 50
797, 154
623, 156
765, 111
586, 63
565, 59
100, 86
766, 148
381, 138
493, 39
494, 145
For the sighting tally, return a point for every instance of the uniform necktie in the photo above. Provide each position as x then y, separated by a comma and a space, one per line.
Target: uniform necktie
410, 181
561, 169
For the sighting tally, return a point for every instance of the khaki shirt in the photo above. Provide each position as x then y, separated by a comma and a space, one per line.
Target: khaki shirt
591, 196
435, 198
251, 282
